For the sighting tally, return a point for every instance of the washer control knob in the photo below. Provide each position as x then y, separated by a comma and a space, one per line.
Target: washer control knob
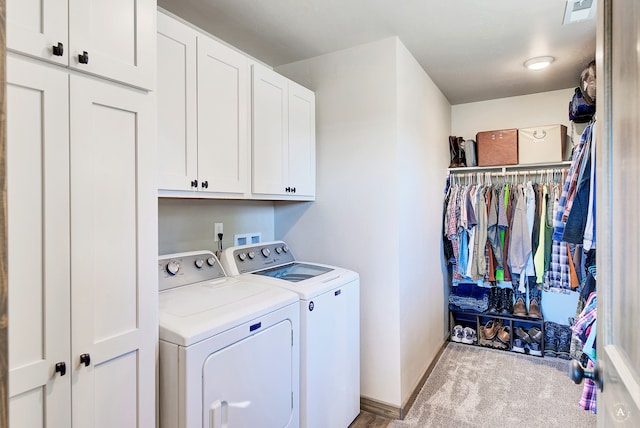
278, 250
173, 267
285, 248
251, 254
265, 252
242, 256
199, 263
211, 261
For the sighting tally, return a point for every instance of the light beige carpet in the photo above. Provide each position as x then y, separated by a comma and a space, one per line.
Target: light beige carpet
472, 386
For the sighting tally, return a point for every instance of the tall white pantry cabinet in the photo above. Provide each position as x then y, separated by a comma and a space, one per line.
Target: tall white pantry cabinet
82, 213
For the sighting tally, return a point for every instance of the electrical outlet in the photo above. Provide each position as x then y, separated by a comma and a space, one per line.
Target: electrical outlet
217, 228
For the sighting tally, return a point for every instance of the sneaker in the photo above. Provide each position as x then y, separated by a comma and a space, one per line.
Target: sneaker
534, 349
518, 346
469, 336
457, 334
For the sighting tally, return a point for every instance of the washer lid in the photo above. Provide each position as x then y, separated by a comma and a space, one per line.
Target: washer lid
196, 312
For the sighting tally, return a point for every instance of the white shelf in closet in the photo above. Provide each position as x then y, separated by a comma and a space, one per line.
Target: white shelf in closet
505, 168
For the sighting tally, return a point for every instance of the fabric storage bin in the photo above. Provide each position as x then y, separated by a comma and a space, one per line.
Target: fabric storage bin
497, 147
542, 144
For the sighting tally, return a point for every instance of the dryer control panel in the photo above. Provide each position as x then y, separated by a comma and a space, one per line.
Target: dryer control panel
176, 270
255, 257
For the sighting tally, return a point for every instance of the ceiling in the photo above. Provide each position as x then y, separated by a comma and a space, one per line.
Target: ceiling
473, 50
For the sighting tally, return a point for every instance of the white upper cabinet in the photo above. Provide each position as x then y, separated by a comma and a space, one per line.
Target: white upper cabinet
223, 110
283, 137
177, 106
109, 38
203, 109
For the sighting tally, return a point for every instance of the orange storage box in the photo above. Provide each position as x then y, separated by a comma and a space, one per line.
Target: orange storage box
497, 147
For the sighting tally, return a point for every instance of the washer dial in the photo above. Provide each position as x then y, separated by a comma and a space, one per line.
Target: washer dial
173, 267
199, 263
265, 252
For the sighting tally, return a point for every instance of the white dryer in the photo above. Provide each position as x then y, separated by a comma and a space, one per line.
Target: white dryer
330, 327
229, 348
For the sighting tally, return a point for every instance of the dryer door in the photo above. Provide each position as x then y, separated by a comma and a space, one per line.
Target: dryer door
249, 383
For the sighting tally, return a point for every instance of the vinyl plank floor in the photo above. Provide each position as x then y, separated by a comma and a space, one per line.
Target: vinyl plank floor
369, 420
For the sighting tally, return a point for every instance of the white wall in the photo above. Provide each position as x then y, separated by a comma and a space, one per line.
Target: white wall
424, 117
374, 159
545, 108
187, 224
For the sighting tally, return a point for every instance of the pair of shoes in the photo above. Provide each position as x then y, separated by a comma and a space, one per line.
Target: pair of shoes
529, 342
557, 340
463, 335
495, 335
500, 301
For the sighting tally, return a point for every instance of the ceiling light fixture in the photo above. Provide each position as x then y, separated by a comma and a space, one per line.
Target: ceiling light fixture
539, 63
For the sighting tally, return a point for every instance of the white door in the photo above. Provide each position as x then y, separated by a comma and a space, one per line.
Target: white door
270, 132
250, 383
302, 140
618, 201
223, 109
176, 95
113, 255
118, 37
34, 27
38, 244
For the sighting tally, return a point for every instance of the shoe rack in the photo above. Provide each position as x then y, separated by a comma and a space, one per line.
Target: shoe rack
507, 323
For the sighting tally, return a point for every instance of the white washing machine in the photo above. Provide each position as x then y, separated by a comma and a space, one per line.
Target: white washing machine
330, 327
229, 348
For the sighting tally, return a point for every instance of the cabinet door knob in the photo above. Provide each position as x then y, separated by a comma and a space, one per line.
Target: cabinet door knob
58, 50
205, 184
194, 183
61, 368
288, 189
83, 58
293, 189
85, 359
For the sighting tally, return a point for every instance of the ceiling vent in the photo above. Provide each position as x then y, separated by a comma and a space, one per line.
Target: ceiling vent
579, 10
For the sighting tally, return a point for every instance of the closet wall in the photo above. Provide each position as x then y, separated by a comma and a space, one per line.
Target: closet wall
523, 111
382, 129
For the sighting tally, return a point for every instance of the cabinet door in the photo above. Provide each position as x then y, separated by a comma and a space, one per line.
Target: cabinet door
113, 255
223, 108
270, 132
38, 244
302, 140
119, 37
176, 98
35, 26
